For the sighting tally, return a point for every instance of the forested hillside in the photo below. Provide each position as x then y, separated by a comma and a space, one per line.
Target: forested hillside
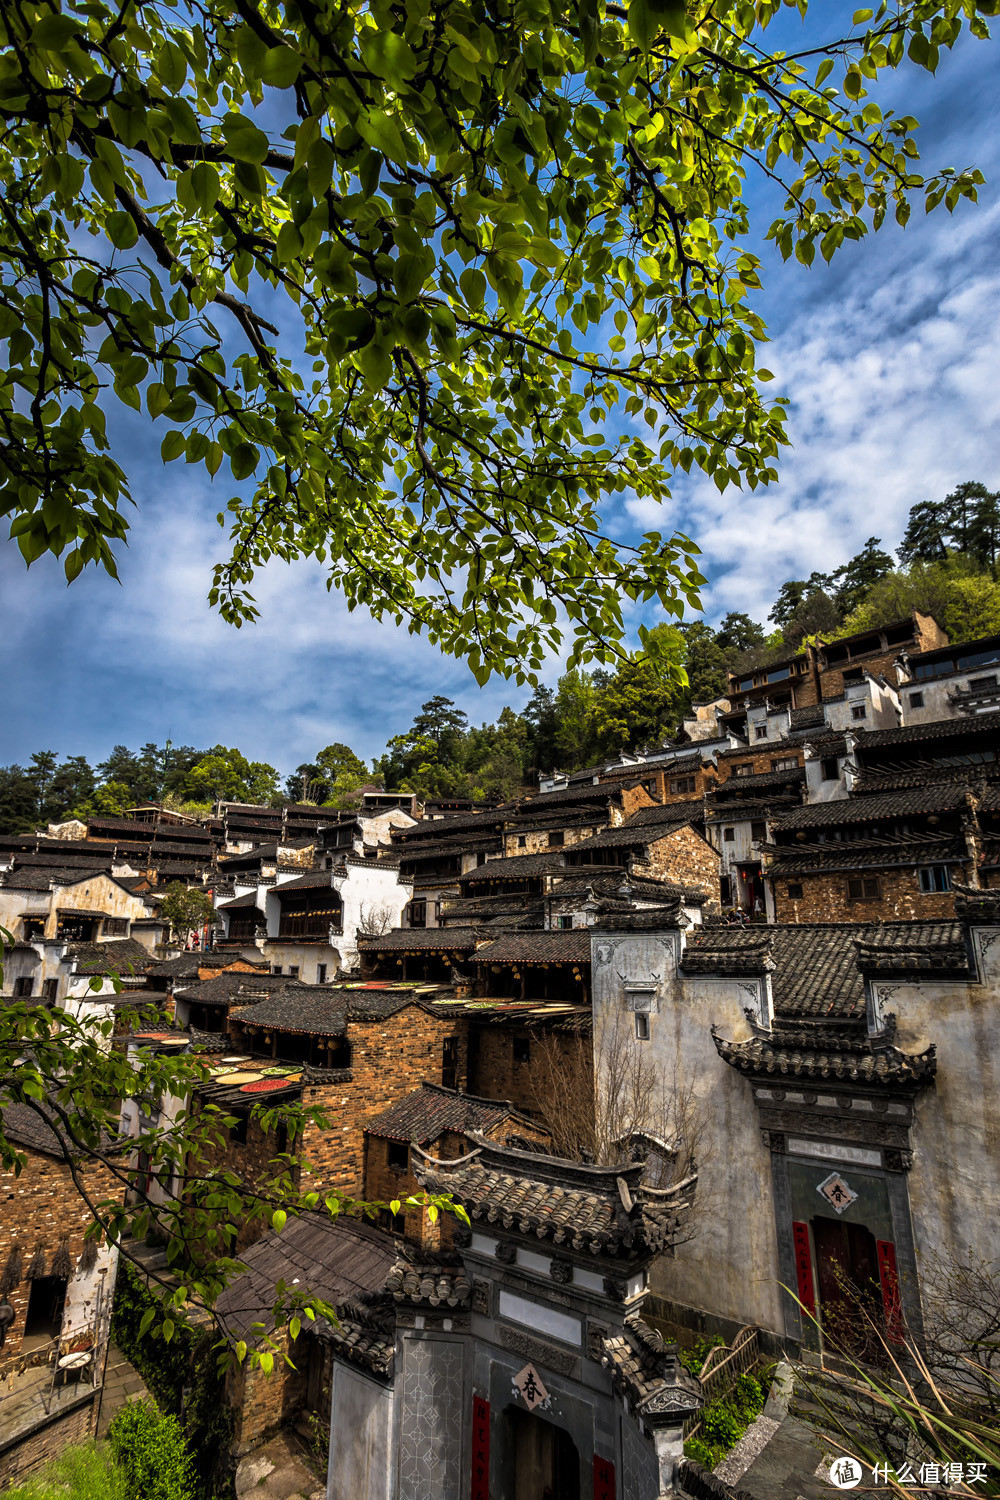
946, 565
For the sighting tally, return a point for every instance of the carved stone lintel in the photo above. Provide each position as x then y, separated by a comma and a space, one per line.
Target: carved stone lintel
774, 1140
506, 1252
561, 1270
809, 1096
898, 1161
844, 1101
855, 1127
481, 1297
615, 1289
536, 1351
778, 1095
879, 1106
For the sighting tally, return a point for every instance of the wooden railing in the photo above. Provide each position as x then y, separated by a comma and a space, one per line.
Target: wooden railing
722, 1368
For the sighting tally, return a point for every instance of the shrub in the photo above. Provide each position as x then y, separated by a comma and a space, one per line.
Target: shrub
85, 1472
692, 1359
150, 1450
724, 1421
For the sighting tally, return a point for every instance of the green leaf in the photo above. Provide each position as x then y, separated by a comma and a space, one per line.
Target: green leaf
53, 32
280, 67
173, 445
121, 229
278, 1220
244, 460
383, 133
245, 142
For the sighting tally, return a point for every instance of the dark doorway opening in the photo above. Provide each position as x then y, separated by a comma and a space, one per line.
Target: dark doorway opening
43, 1320
542, 1457
850, 1292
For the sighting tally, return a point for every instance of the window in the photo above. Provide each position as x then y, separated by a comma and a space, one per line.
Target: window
684, 784
795, 891
449, 1062
238, 1132
935, 878
758, 830
864, 888
321, 973
294, 971
831, 768
982, 684
115, 927
916, 700
24, 986
281, 1138
556, 839
50, 989
760, 730
416, 914
729, 834
522, 841
44, 1316
785, 763
641, 1027
859, 711
522, 1049
745, 770
275, 968
563, 922
398, 1156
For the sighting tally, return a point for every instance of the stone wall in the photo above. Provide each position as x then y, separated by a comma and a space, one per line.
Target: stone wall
262, 1403
824, 897
685, 858
389, 1058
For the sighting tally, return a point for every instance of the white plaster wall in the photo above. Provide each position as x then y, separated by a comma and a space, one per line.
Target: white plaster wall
731, 1266
360, 1465
84, 1312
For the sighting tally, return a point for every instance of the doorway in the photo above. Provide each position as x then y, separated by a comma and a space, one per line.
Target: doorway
43, 1320
546, 1465
850, 1293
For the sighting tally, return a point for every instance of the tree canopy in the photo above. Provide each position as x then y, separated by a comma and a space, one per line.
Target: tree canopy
509, 250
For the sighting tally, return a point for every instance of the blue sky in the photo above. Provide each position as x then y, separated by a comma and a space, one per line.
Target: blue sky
889, 357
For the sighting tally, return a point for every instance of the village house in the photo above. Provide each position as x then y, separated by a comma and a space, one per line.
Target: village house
844, 1084
951, 681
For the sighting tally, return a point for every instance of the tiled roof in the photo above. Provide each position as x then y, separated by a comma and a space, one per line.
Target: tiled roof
644, 1368
517, 867
313, 879
431, 1109
120, 956
569, 946
628, 836
367, 1343
23, 1126
587, 793
227, 988
806, 1055
937, 729
677, 813
806, 718
927, 799
439, 828
429, 1285
550, 1199
340, 1261
249, 900
752, 810
874, 854
187, 965
815, 973
34, 879
420, 940
297, 1010
758, 782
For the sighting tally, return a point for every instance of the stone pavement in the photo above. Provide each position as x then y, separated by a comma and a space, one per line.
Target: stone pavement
279, 1471
781, 1457
122, 1382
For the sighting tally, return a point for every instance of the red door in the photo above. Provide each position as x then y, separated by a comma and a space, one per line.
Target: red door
850, 1292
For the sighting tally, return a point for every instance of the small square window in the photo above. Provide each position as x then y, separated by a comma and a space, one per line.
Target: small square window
864, 888
294, 971
275, 968
760, 731
859, 711
831, 769
935, 878
522, 841
50, 989
641, 1026
24, 987
238, 1132
795, 891
729, 834
321, 973
563, 923
398, 1156
758, 831
916, 700
556, 839
522, 1049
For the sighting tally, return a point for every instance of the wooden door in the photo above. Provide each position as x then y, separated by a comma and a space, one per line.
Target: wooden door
849, 1289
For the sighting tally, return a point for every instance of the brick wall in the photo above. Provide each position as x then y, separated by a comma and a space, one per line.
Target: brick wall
538, 840
263, 1404
824, 897
47, 1442
389, 1058
252, 1161
685, 857
705, 779
555, 1060
41, 1208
